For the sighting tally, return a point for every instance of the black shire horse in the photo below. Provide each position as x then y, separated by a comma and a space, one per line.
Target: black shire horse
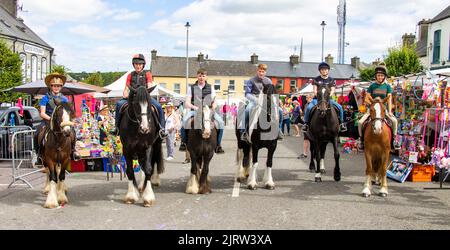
324, 128
201, 144
139, 136
263, 133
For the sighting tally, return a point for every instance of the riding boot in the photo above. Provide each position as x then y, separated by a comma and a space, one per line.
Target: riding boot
305, 127
361, 144
162, 134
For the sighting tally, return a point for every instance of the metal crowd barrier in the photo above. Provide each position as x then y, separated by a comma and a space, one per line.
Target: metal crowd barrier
17, 146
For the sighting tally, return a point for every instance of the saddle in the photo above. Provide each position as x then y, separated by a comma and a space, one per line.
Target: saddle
124, 109
315, 108
367, 122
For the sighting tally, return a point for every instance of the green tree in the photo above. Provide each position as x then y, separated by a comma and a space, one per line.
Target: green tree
10, 73
367, 74
402, 61
61, 69
96, 79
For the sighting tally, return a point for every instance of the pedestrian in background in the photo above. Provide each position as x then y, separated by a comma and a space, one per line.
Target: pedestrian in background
171, 128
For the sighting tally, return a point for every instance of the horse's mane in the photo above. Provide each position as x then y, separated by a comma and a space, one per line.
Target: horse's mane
141, 94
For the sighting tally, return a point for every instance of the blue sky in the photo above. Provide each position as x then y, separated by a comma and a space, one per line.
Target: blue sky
102, 35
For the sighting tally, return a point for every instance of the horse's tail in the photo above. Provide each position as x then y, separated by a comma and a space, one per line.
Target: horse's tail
157, 157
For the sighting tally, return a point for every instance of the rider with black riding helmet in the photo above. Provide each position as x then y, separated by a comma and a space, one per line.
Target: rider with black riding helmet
55, 82
324, 79
139, 77
380, 88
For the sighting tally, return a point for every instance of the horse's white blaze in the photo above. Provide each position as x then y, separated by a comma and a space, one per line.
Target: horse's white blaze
323, 92
66, 120
132, 194
148, 195
378, 124
207, 123
144, 121
192, 185
268, 179
322, 164
52, 198
252, 177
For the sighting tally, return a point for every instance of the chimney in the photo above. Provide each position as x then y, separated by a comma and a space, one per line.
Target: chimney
329, 59
10, 6
376, 62
254, 59
423, 29
356, 62
200, 57
154, 52
408, 40
294, 59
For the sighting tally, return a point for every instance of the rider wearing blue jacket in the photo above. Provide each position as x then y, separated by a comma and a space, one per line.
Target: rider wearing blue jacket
254, 87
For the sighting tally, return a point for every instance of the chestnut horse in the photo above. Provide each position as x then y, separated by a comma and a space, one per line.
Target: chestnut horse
56, 153
377, 143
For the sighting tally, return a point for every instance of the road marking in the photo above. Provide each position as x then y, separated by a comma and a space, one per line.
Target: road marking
236, 187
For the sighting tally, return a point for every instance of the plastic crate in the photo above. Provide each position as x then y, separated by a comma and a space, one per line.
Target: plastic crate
77, 166
422, 173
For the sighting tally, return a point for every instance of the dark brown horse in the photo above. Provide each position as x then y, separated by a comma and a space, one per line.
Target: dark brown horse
56, 153
377, 144
201, 145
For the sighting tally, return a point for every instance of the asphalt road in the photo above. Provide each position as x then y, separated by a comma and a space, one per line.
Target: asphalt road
296, 203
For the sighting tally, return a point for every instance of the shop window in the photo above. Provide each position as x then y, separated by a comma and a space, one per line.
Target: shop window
44, 68
34, 68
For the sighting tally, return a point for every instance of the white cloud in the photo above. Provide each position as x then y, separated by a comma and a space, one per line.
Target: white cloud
123, 15
107, 35
272, 29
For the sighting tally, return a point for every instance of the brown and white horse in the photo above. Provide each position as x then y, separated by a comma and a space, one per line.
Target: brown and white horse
377, 145
56, 154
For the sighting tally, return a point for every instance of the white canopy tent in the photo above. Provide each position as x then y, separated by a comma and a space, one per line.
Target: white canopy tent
118, 86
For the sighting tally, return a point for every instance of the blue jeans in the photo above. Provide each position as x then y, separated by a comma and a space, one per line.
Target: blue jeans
332, 102
192, 113
120, 103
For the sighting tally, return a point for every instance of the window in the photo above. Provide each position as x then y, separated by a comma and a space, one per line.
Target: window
34, 68
231, 85
44, 67
217, 84
163, 85
177, 88
280, 84
437, 47
293, 84
23, 58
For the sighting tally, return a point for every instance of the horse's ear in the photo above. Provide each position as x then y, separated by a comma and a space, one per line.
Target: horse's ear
57, 101
150, 90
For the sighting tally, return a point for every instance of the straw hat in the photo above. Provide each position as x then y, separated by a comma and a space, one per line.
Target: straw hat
102, 107
55, 79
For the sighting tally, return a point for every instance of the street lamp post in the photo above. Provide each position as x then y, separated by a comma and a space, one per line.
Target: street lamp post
323, 24
187, 54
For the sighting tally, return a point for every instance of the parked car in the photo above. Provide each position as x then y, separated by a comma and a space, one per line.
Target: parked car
30, 117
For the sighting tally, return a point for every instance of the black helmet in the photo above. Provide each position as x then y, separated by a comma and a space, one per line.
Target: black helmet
381, 68
324, 65
138, 58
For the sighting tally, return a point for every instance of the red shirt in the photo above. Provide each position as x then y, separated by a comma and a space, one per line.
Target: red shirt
148, 75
